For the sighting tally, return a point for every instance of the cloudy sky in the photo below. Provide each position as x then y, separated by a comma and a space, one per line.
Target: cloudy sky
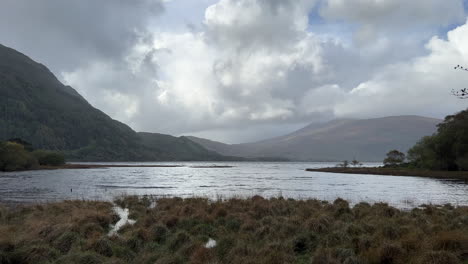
242, 70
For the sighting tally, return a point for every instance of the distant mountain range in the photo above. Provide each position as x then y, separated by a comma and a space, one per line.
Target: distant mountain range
37, 108
346, 139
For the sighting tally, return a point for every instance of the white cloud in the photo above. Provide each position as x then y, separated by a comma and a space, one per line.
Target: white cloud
401, 19
250, 69
420, 86
214, 78
397, 12
256, 64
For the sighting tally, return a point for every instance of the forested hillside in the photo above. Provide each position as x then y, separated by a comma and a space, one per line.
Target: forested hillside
37, 108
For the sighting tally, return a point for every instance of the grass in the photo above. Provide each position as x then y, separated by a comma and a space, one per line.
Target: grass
254, 230
460, 175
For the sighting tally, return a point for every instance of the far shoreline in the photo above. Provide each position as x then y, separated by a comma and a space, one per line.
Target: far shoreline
77, 166
447, 175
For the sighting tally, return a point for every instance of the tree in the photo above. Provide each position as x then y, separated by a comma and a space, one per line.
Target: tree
344, 164
462, 93
49, 158
27, 146
356, 163
394, 158
445, 150
13, 157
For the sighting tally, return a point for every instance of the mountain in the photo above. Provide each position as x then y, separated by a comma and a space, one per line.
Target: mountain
346, 139
37, 108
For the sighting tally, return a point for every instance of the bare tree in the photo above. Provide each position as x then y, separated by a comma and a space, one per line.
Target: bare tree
462, 93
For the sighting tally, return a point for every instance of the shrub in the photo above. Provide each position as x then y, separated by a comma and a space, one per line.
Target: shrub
36, 254
81, 258
159, 233
224, 246
452, 241
201, 255
390, 253
301, 244
439, 257
394, 158
180, 239
103, 247
324, 256
49, 158
65, 241
13, 157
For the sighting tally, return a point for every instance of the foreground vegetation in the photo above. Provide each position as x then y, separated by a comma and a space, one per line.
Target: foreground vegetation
397, 171
255, 230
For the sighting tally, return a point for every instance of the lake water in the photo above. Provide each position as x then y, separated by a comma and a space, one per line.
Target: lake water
244, 179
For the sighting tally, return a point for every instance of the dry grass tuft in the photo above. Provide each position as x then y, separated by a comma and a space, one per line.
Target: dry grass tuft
254, 230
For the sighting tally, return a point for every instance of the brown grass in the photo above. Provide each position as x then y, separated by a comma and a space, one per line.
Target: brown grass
254, 230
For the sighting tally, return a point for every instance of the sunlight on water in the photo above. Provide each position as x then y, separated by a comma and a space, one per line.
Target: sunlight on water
244, 179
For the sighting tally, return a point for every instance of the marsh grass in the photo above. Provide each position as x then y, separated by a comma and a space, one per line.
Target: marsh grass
254, 230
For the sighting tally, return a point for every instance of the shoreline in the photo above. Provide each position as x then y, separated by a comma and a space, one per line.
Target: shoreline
448, 175
117, 199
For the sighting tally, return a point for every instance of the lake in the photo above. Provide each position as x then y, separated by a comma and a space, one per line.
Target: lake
244, 179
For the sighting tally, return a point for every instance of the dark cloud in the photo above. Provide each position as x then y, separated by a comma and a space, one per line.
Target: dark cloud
66, 34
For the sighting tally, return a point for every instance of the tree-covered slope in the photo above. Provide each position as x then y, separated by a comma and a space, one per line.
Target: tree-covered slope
179, 148
36, 107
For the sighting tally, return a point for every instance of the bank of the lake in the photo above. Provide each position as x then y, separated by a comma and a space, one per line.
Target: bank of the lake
460, 175
253, 230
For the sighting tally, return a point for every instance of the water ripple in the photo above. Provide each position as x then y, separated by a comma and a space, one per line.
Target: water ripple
245, 179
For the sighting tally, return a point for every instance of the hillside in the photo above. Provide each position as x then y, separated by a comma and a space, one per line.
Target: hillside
36, 107
366, 140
